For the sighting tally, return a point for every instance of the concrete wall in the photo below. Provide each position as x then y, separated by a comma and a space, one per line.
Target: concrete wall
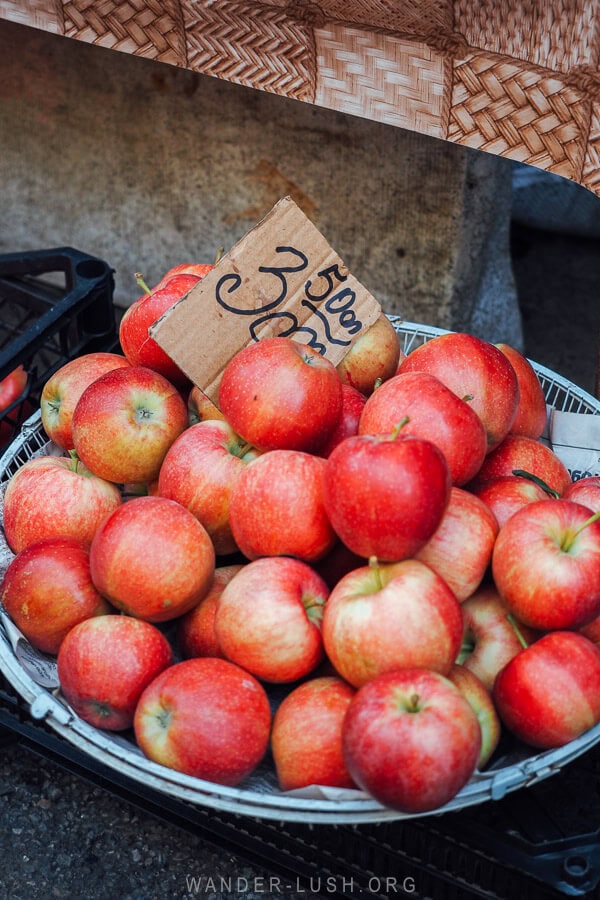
148, 166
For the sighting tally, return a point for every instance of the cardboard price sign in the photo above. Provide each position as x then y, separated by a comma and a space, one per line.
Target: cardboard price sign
282, 278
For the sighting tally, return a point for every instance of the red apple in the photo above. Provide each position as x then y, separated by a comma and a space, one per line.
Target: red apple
47, 590
353, 403
139, 348
508, 493
489, 639
15, 405
200, 470
55, 496
279, 394
268, 619
306, 737
373, 358
480, 700
197, 269
276, 507
105, 663
204, 717
546, 564
524, 454
434, 413
411, 740
196, 629
460, 550
474, 368
125, 422
200, 407
385, 494
12, 386
530, 420
64, 388
384, 617
585, 491
152, 559
549, 694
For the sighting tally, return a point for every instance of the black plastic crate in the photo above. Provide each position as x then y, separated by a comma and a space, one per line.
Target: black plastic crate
55, 305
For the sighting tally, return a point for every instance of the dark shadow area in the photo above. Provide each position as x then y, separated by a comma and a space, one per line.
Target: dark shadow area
558, 279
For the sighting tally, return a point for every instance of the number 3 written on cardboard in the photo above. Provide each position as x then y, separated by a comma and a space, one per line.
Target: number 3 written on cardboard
323, 297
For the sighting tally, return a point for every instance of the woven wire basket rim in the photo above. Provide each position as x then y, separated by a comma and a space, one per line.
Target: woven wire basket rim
258, 797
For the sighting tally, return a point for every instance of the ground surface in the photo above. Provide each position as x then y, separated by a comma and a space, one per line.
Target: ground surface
62, 837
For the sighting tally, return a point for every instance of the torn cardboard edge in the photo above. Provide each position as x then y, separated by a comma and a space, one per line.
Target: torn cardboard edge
282, 278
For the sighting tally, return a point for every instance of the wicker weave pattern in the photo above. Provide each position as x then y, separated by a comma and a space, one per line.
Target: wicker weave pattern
381, 77
556, 34
519, 78
150, 28
504, 108
417, 17
38, 13
591, 167
260, 48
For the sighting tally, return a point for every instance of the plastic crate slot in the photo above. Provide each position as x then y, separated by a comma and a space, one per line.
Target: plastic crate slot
56, 305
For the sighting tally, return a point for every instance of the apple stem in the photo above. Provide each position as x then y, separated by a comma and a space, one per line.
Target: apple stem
521, 473
517, 631
220, 253
568, 542
378, 383
414, 703
74, 460
163, 717
242, 449
142, 284
314, 610
467, 398
467, 647
398, 427
374, 567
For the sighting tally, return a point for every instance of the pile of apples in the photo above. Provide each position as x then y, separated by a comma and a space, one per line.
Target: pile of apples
389, 541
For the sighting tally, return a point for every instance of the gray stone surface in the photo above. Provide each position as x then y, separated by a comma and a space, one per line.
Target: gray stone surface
148, 166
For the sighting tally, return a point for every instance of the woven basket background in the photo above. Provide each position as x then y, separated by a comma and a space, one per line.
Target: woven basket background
517, 78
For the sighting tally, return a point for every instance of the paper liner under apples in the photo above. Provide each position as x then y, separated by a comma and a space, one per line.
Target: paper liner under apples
41, 666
